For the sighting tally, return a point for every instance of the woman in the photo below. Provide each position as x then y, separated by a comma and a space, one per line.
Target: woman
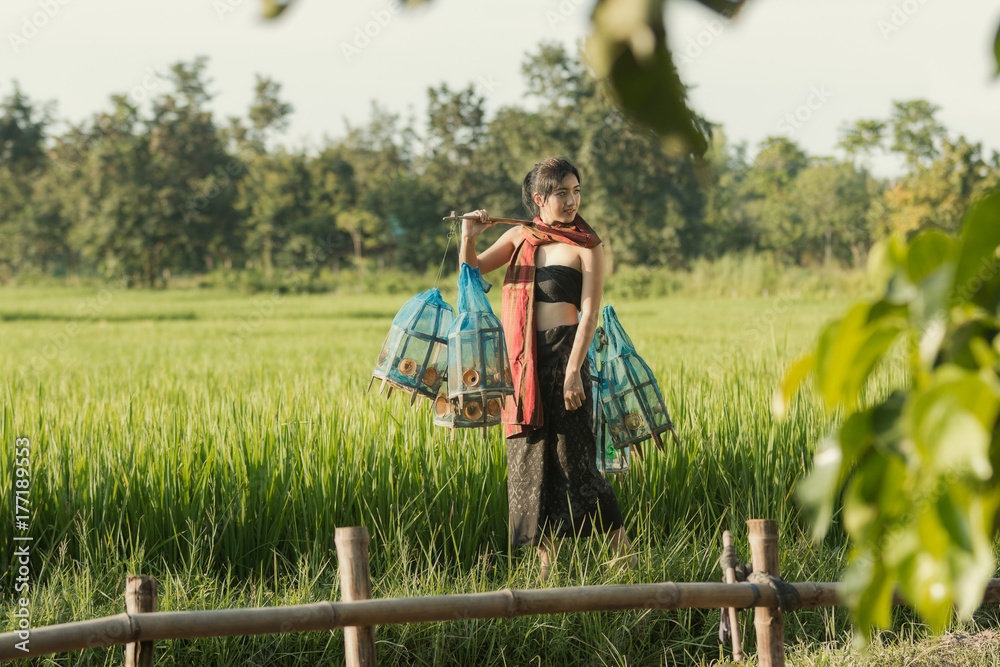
551, 298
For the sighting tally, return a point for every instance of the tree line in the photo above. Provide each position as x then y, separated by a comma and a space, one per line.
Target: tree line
150, 191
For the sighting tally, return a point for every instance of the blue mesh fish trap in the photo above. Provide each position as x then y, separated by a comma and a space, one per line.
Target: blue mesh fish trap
609, 459
479, 378
631, 402
414, 357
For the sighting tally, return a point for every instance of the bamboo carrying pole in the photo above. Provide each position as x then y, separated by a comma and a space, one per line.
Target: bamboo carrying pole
734, 619
506, 221
356, 584
768, 622
140, 598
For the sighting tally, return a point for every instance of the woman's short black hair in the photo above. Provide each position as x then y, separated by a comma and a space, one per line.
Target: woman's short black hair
544, 178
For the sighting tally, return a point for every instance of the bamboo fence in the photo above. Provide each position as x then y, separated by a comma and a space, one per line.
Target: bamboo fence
141, 626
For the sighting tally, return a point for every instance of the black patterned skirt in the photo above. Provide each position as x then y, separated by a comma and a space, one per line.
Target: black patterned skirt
553, 485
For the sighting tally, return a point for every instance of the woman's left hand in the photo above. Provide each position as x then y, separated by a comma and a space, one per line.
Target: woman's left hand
573, 390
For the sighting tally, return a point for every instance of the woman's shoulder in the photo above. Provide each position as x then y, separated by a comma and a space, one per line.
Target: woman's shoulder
591, 259
513, 236
584, 251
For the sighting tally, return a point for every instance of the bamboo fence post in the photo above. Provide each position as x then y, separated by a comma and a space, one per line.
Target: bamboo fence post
140, 598
734, 618
356, 584
769, 623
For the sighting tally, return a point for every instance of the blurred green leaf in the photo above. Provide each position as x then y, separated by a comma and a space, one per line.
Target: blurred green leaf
874, 495
868, 589
951, 438
952, 514
886, 310
886, 426
849, 348
925, 574
724, 7
275, 8
927, 252
836, 458
924, 582
900, 290
932, 299
794, 377
886, 257
628, 46
951, 423
967, 345
972, 564
977, 278
818, 492
996, 50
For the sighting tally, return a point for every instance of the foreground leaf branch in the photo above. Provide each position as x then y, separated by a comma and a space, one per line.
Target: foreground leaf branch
915, 473
629, 49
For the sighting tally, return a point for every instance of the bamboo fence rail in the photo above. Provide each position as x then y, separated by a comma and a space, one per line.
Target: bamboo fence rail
126, 628
363, 614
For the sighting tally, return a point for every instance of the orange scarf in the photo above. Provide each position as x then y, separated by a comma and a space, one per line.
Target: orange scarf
523, 411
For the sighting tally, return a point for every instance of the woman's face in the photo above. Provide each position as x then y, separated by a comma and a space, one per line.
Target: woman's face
561, 206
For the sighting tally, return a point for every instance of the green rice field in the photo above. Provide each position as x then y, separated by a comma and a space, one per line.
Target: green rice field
216, 440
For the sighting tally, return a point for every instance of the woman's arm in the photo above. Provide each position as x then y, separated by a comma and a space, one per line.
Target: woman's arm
592, 266
496, 255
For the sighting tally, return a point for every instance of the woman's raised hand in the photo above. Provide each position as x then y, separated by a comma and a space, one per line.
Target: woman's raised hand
473, 228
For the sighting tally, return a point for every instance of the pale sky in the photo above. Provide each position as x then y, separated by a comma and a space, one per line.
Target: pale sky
828, 61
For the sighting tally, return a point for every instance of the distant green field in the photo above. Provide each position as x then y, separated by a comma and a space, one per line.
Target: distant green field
216, 440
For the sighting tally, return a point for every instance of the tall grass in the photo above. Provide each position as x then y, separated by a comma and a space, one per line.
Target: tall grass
220, 450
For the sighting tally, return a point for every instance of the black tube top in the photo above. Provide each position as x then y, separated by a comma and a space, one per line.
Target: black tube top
558, 284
